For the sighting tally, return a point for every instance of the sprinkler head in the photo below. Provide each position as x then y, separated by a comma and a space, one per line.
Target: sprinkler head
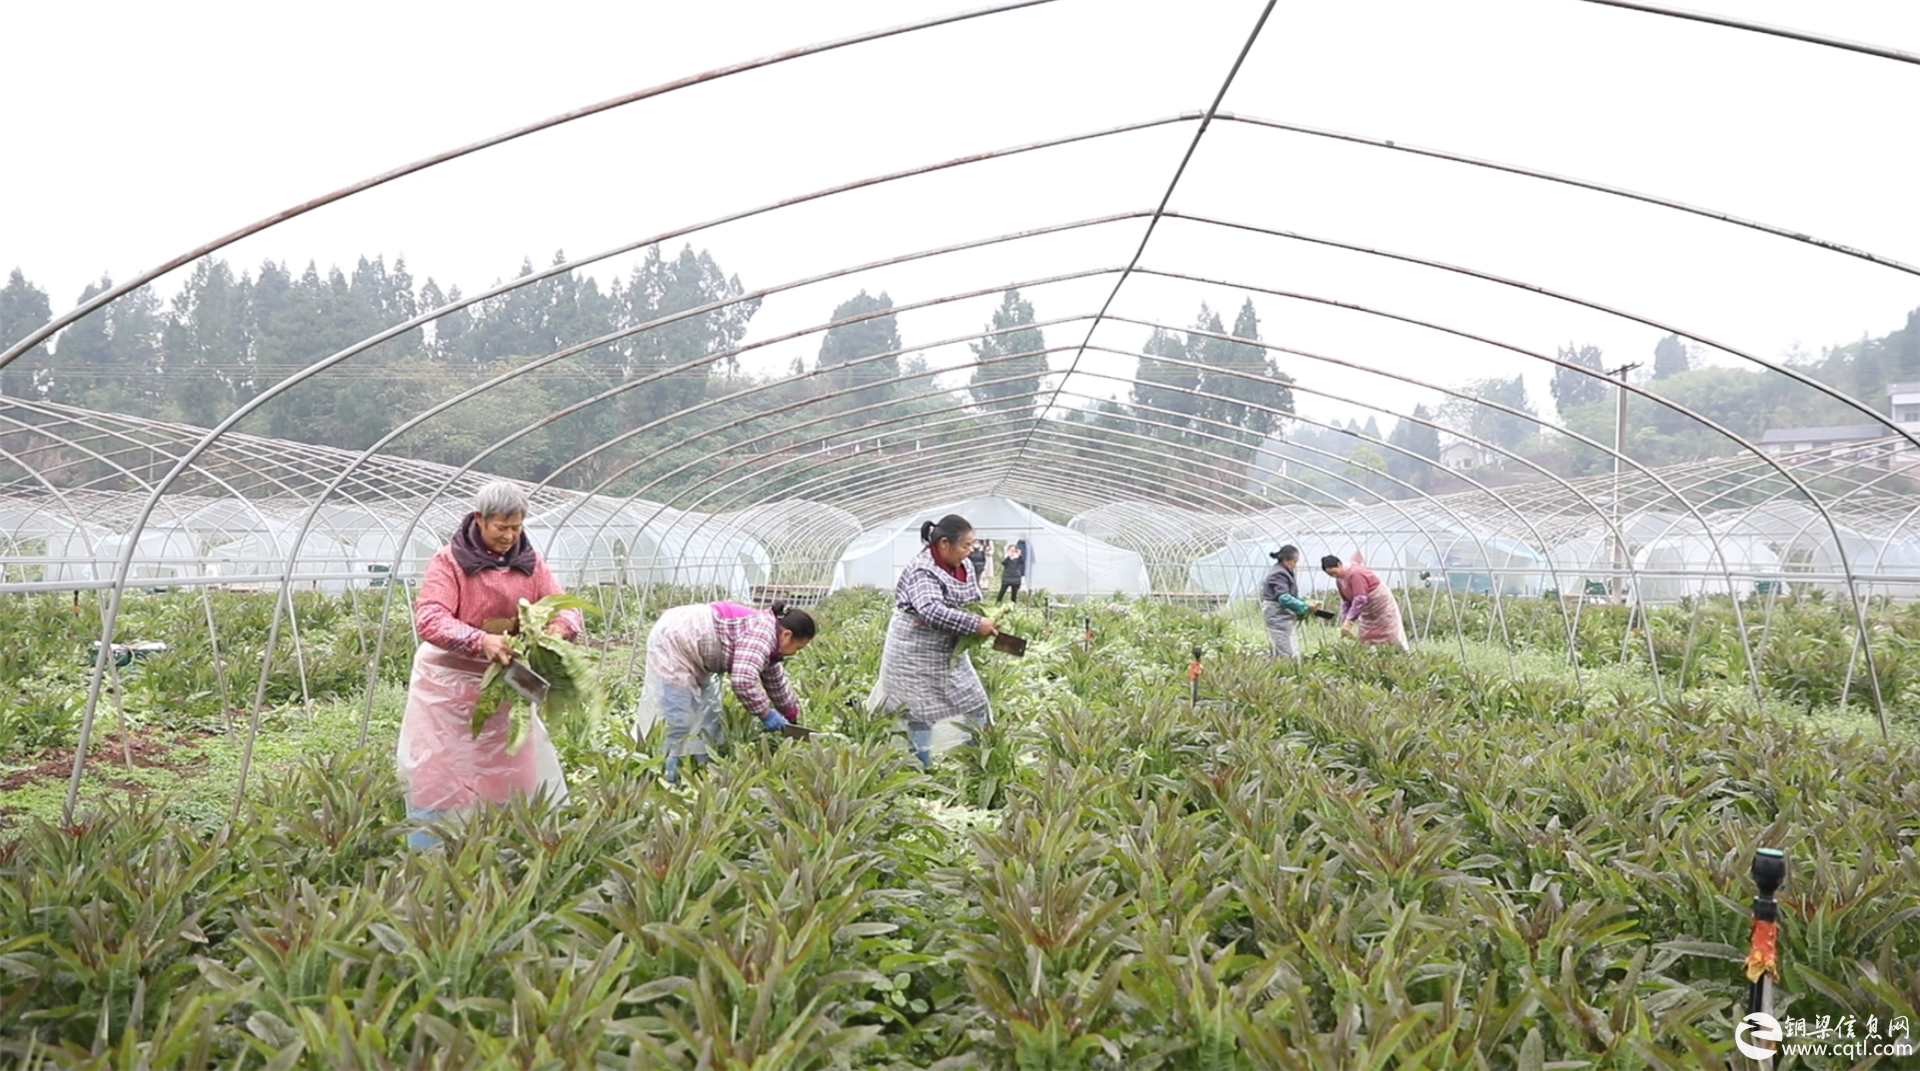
1196, 653
1769, 870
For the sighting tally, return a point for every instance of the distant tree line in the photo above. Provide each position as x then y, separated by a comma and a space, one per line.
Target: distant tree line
228, 336
1743, 399
655, 391
1355, 461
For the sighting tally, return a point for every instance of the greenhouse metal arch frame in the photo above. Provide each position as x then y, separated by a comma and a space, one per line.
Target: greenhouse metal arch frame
1022, 440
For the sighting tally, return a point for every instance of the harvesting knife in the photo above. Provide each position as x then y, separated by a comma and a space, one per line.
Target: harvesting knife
521, 678
801, 732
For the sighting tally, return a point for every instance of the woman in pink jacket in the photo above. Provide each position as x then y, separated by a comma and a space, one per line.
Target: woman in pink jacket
1368, 611
468, 603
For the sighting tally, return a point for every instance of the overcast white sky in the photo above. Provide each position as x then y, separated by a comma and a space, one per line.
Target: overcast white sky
137, 131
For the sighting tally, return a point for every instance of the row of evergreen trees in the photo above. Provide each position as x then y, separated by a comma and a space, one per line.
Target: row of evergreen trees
227, 337
1201, 403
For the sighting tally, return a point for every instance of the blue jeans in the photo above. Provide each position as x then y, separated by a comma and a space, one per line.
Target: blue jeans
693, 724
420, 840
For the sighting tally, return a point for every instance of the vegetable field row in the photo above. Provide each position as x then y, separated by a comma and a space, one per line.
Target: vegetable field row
1363, 860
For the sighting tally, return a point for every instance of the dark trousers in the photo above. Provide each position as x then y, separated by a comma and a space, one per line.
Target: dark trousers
1005, 586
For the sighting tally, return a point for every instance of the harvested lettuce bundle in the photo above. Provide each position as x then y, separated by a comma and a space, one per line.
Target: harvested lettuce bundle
576, 699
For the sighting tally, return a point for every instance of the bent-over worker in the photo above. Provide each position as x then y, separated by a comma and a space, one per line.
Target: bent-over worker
690, 647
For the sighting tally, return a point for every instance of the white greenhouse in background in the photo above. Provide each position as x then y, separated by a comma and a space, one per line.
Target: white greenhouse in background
1064, 562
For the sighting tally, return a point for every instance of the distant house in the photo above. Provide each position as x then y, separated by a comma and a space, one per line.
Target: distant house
1903, 408
1905, 401
1460, 456
1796, 440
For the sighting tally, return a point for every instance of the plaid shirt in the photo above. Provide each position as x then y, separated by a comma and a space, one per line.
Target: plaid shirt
918, 670
933, 595
749, 653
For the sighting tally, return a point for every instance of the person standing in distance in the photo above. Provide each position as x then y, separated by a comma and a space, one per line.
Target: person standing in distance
1013, 569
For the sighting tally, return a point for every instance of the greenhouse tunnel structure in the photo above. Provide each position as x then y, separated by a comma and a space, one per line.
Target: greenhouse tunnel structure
1142, 455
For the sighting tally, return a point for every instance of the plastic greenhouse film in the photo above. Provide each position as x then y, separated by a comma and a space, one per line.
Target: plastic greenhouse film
445, 764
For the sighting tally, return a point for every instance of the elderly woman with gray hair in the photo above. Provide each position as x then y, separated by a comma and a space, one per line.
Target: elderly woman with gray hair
468, 603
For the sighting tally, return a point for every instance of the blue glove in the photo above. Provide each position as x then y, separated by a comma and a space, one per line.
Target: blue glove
773, 722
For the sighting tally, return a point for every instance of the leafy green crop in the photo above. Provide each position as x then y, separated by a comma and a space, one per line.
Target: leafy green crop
972, 641
576, 700
1471, 856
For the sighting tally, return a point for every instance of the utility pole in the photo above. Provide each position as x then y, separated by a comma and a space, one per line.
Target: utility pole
1617, 584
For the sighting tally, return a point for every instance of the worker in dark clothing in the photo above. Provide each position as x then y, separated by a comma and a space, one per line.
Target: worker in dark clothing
1281, 604
978, 557
1013, 569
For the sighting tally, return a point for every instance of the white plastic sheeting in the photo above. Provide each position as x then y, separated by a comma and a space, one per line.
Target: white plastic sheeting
1666, 538
1406, 548
1239, 568
1894, 557
263, 554
373, 553
1133, 522
592, 543
41, 542
1731, 560
1640, 529
231, 517
1403, 550
1579, 562
1691, 566
642, 543
1064, 562
159, 554
70, 555
349, 523
799, 525
1804, 542
21, 521
700, 550
1484, 563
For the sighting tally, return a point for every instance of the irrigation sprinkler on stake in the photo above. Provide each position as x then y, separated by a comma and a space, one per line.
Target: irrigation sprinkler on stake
1763, 956
1193, 682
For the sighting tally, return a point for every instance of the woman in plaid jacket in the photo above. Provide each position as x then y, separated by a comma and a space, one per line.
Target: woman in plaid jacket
922, 678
